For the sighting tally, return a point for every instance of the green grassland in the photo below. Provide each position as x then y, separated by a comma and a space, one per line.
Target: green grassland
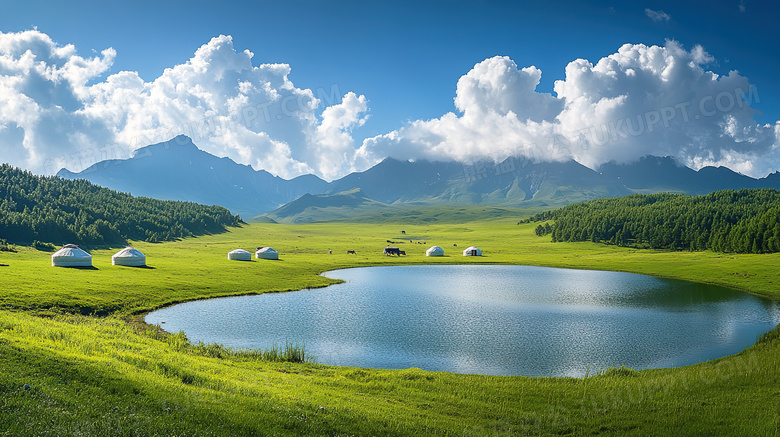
75, 361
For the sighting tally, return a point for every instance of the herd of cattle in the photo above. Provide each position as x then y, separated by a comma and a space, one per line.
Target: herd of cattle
396, 251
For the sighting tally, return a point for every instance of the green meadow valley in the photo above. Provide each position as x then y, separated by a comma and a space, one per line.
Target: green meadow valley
76, 359
407, 218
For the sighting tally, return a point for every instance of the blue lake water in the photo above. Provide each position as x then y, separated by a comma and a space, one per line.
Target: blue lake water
487, 319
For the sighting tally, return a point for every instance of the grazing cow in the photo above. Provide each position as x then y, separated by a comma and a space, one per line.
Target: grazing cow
403, 232
392, 251
455, 244
351, 252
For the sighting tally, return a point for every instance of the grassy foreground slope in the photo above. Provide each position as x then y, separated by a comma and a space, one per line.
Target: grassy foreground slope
63, 373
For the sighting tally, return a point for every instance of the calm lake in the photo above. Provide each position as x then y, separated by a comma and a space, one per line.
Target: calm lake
487, 319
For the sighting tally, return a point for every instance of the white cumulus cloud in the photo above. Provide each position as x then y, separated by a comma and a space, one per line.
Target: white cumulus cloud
640, 100
61, 109
502, 115
57, 109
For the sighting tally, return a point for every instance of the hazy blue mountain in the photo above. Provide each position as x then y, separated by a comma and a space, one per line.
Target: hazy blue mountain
178, 170
772, 180
484, 182
652, 174
511, 183
392, 185
401, 181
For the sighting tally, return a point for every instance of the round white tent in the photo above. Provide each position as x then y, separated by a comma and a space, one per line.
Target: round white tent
266, 253
434, 251
130, 257
71, 256
240, 255
472, 251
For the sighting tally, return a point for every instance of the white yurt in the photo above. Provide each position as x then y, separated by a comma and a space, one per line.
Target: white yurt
240, 255
266, 253
472, 251
129, 256
434, 251
71, 256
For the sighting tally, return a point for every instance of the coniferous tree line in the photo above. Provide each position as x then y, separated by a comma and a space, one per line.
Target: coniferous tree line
743, 221
48, 209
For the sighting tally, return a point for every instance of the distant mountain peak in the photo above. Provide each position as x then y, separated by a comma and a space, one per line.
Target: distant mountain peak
647, 160
177, 170
177, 144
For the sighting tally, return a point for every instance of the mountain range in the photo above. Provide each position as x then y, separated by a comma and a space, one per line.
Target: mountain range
178, 170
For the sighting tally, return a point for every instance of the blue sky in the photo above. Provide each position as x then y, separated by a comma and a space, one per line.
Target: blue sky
406, 58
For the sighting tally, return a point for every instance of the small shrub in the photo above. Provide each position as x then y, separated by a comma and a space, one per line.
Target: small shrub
44, 247
4, 247
621, 371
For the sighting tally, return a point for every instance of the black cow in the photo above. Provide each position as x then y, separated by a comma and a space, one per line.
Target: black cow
393, 251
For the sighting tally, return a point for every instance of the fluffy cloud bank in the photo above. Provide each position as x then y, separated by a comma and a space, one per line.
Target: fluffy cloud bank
641, 100
56, 111
59, 109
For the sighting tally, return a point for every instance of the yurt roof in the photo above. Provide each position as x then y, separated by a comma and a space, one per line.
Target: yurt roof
129, 252
266, 249
71, 251
239, 251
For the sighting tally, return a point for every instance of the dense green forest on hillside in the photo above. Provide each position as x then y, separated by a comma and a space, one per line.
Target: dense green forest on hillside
54, 210
743, 221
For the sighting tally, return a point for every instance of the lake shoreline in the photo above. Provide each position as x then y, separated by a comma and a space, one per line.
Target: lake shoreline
302, 302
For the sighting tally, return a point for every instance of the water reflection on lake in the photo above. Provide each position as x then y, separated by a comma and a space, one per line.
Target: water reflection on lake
487, 319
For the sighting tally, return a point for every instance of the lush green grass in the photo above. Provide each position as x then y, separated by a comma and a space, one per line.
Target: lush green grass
62, 373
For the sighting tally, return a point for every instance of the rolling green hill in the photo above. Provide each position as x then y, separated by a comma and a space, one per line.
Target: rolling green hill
743, 221
55, 210
353, 206
324, 207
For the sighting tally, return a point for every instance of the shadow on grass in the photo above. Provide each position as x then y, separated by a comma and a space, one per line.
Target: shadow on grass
79, 267
255, 260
